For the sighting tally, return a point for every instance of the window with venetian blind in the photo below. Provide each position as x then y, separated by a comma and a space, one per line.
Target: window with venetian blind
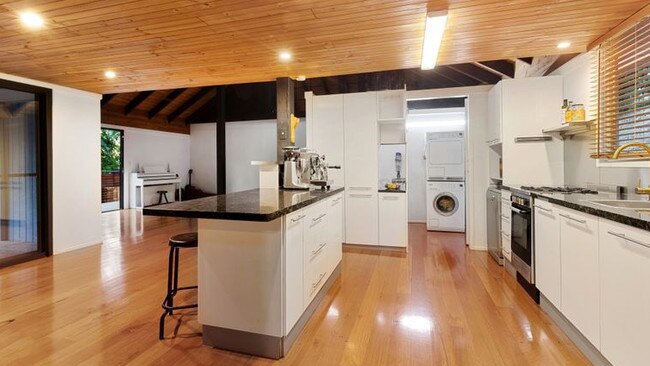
624, 93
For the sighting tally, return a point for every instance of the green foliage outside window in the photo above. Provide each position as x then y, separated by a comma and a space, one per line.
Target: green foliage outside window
110, 150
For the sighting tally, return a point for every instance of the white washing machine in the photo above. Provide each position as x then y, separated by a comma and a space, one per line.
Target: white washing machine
446, 206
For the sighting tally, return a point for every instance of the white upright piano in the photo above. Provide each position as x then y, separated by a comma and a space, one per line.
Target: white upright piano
151, 176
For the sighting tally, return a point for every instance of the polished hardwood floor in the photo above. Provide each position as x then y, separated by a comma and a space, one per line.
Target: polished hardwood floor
440, 304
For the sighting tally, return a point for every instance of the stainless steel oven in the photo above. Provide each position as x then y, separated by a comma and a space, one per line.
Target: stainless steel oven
522, 235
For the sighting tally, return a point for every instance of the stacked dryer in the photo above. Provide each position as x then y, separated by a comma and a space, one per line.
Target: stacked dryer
445, 165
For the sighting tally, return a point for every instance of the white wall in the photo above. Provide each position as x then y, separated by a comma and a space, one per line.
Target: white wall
247, 141
417, 127
76, 168
477, 179
579, 168
148, 147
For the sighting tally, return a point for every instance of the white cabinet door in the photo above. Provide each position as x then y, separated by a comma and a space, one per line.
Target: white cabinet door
335, 210
579, 264
391, 104
294, 224
326, 126
494, 115
361, 217
393, 221
625, 295
528, 106
360, 121
548, 252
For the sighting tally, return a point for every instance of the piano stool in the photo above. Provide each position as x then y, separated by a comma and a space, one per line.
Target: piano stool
161, 195
176, 242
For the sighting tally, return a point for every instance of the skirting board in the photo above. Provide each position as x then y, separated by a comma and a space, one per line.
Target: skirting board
583, 344
263, 345
77, 247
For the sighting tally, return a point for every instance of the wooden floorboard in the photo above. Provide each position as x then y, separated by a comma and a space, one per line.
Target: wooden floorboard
440, 304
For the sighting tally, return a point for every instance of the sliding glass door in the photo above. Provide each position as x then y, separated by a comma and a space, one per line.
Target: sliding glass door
23, 172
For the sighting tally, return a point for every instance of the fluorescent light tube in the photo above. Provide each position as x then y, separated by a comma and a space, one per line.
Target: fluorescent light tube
433, 31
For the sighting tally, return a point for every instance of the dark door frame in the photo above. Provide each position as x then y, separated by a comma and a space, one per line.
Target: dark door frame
121, 163
43, 168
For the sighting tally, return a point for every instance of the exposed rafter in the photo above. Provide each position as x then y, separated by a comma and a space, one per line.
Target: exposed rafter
135, 102
188, 104
560, 61
165, 102
489, 69
106, 98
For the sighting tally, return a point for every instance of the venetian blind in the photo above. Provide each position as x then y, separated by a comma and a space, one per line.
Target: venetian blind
624, 93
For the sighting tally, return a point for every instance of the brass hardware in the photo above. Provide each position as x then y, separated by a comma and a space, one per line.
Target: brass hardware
618, 151
639, 190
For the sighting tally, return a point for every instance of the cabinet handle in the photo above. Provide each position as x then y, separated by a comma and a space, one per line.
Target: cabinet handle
505, 200
319, 217
390, 198
298, 218
360, 188
506, 234
361, 195
505, 217
544, 208
317, 251
315, 284
623, 236
574, 219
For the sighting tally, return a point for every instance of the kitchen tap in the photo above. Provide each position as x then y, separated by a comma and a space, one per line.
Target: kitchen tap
620, 149
642, 190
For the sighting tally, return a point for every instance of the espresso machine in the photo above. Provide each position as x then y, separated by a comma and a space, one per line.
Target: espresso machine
297, 170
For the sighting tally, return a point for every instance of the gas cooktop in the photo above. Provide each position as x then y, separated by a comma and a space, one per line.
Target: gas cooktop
563, 189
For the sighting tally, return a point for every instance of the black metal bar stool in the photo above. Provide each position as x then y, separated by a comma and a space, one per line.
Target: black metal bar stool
161, 195
176, 242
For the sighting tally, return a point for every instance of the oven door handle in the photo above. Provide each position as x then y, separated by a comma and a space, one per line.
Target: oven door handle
516, 210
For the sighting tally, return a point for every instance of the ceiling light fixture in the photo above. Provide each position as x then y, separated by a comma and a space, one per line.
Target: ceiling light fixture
433, 31
563, 45
31, 19
285, 56
301, 78
110, 74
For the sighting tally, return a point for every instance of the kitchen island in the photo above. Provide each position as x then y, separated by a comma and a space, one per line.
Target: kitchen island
266, 258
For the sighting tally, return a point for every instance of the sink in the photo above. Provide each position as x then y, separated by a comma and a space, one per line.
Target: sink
624, 204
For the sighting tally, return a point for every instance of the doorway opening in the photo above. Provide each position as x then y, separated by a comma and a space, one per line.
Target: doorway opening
112, 146
25, 160
437, 133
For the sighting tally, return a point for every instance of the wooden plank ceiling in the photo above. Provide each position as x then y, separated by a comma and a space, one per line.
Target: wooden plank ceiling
162, 44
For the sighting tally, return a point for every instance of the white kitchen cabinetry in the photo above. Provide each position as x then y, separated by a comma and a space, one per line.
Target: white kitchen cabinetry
506, 225
625, 299
294, 262
548, 252
361, 149
528, 106
326, 124
494, 115
391, 105
393, 221
580, 295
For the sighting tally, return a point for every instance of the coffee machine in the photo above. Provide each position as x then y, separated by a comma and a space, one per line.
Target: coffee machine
297, 170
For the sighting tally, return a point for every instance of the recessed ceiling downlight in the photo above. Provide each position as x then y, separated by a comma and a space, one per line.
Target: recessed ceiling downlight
285, 56
110, 74
563, 45
32, 20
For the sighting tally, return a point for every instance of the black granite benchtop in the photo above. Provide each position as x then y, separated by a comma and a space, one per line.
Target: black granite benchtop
252, 205
584, 203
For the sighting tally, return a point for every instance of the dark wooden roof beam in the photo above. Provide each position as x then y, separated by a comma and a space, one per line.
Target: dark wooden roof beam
188, 104
492, 70
135, 102
106, 98
165, 102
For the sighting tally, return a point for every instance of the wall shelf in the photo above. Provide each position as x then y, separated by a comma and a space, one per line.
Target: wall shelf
569, 129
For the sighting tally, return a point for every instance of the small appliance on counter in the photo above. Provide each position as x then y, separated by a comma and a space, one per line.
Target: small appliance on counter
391, 177
304, 168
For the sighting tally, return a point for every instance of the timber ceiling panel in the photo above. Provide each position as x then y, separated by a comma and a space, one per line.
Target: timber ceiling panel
161, 44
